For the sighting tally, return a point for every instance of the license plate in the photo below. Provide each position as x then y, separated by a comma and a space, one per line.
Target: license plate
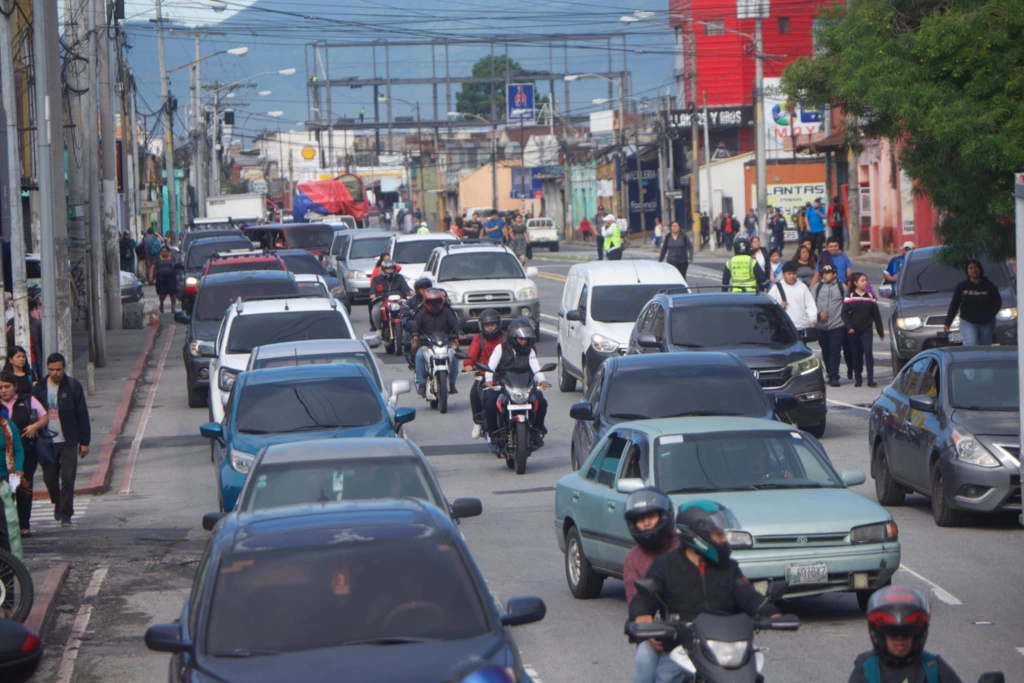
798, 574
955, 338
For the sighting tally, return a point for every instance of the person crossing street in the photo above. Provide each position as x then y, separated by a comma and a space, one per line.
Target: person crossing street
795, 298
612, 237
741, 273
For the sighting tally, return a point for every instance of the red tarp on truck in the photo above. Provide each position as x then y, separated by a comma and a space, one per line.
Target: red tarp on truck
345, 195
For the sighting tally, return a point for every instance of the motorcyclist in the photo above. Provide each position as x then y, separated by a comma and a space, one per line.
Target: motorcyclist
388, 281
480, 352
742, 271
651, 521
412, 304
516, 354
898, 619
432, 317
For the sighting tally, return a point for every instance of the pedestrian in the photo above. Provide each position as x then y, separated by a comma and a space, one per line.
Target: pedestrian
741, 272
834, 256
127, 246
659, 232
362, 113
750, 223
471, 230
29, 418
829, 298
677, 248
759, 253
776, 265
495, 227
860, 309
795, 298
777, 225
612, 238
891, 273
705, 230
163, 274
520, 239
12, 464
585, 229
816, 225
424, 229
735, 224
151, 245
64, 400
977, 301
837, 219
800, 220
18, 366
728, 235
598, 224
35, 334
804, 264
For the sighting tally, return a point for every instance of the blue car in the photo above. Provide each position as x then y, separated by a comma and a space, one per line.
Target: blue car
301, 403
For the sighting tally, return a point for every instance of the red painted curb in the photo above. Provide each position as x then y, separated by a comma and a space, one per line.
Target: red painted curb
101, 477
46, 597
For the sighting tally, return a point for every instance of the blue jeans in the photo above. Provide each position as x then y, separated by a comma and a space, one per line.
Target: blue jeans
666, 671
421, 367
832, 342
977, 335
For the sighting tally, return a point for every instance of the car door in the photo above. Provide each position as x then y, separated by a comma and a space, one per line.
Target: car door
577, 330
896, 443
922, 429
590, 430
338, 248
635, 465
598, 483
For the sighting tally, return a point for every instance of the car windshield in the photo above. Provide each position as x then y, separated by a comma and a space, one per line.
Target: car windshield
300, 358
350, 587
684, 390
260, 329
310, 237
984, 385
331, 480
308, 405
213, 300
741, 461
926, 276
202, 250
236, 264
620, 303
756, 324
480, 266
369, 247
193, 235
416, 251
303, 264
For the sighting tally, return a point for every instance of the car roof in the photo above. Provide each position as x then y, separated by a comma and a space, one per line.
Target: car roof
300, 372
960, 354
363, 234
415, 237
296, 303
215, 239
310, 347
488, 246
253, 276
284, 226
718, 299
628, 272
320, 450
309, 277
252, 256
705, 425
294, 252
653, 361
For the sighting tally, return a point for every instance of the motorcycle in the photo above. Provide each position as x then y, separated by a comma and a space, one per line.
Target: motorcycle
20, 652
438, 369
392, 310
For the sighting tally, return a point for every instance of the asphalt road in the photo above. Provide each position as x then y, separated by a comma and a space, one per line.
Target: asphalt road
135, 550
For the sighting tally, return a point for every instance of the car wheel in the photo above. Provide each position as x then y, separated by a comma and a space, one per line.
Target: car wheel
196, 398
887, 490
566, 382
554, 246
584, 582
944, 515
817, 431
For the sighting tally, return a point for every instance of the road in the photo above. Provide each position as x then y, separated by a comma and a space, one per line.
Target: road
135, 549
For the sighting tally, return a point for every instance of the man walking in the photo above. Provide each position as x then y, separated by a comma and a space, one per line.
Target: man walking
834, 256
495, 228
837, 219
151, 248
598, 224
750, 223
362, 113
64, 400
828, 297
777, 224
816, 225
795, 298
892, 271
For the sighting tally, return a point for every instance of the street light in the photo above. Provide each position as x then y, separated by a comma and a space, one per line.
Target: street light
494, 153
216, 5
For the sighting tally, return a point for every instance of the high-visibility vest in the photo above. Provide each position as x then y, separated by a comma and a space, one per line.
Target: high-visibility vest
423, 230
613, 240
741, 273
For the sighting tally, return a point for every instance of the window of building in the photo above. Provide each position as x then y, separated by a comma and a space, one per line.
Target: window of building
783, 25
714, 28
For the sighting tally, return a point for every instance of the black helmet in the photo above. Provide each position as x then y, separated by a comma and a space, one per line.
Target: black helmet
433, 300
642, 503
696, 522
521, 328
489, 316
741, 246
423, 282
386, 265
898, 610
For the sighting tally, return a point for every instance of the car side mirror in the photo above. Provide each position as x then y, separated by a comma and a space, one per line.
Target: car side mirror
647, 340
809, 334
922, 402
212, 430
466, 507
785, 403
852, 477
400, 386
372, 339
207, 349
886, 291
548, 367
582, 411
166, 638
629, 485
404, 415
210, 519
574, 316
182, 317
523, 610
531, 272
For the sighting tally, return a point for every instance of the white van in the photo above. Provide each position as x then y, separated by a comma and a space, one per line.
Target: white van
600, 304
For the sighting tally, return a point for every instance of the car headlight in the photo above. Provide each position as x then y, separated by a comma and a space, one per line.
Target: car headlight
740, 539
730, 655
603, 344
970, 451
356, 275
193, 347
454, 297
911, 323
226, 379
241, 461
874, 533
805, 366
127, 278
526, 293
1007, 313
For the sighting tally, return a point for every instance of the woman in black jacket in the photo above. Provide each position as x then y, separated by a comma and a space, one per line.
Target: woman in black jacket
860, 309
978, 301
677, 248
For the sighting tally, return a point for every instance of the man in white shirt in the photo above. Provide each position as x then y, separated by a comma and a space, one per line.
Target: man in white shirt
795, 298
515, 355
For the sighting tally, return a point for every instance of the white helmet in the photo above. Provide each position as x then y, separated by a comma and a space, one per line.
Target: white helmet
609, 218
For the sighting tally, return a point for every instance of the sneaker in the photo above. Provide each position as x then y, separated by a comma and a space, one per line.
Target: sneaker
56, 515
421, 390
858, 383
834, 383
476, 432
65, 521
452, 390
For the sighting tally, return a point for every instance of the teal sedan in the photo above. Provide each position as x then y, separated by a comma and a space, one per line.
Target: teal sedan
797, 518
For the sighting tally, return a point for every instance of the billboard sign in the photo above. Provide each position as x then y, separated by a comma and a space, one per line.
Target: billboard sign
526, 188
781, 124
791, 198
519, 102
644, 199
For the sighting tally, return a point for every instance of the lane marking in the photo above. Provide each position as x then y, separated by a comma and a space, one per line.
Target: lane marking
552, 318
81, 625
93, 589
940, 592
1020, 650
847, 405
532, 673
133, 452
553, 276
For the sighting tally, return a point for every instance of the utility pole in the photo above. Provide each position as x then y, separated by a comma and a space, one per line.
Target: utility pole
662, 135
199, 132
759, 132
133, 116
707, 160
624, 194
111, 252
1018, 191
494, 164
853, 196
165, 95
694, 129
94, 249
216, 140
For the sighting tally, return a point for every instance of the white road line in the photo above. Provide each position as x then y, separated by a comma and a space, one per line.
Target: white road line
1020, 650
940, 592
552, 318
81, 625
93, 589
549, 330
848, 405
133, 452
532, 673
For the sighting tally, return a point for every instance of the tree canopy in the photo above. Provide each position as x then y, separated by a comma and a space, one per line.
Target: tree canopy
475, 98
945, 80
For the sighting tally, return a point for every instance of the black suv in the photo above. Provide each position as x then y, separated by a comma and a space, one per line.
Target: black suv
193, 263
753, 327
216, 292
667, 385
302, 262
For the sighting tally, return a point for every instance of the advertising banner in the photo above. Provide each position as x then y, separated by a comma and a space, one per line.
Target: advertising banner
519, 102
780, 124
525, 188
644, 199
791, 198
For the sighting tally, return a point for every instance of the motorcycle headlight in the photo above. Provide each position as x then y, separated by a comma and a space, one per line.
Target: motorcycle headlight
1007, 313
603, 344
226, 379
357, 275
740, 539
526, 293
970, 451
874, 533
519, 395
241, 461
191, 281
911, 323
729, 655
454, 297
805, 366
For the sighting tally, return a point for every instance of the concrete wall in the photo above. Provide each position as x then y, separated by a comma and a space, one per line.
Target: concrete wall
896, 214
475, 189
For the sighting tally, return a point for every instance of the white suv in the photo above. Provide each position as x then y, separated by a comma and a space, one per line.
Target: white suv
478, 276
412, 251
250, 324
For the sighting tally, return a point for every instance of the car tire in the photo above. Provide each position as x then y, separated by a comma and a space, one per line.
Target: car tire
584, 582
944, 515
887, 491
197, 398
566, 382
817, 431
554, 246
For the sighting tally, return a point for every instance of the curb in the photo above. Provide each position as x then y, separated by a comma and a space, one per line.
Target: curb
101, 477
46, 597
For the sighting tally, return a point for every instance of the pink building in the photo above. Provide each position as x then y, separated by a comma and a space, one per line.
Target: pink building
890, 212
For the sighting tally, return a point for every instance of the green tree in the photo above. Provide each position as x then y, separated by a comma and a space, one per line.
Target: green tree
945, 78
475, 98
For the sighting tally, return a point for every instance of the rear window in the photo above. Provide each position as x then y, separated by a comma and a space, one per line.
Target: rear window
237, 265
417, 251
354, 357
621, 303
680, 391
727, 325
303, 264
370, 247
213, 300
310, 237
201, 251
308, 405
926, 276
260, 329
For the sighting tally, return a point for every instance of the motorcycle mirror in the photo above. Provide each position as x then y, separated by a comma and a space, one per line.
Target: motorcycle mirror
481, 367
548, 367
462, 355
645, 587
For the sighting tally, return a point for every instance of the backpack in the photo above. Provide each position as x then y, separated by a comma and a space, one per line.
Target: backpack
154, 247
782, 292
140, 252
837, 219
873, 672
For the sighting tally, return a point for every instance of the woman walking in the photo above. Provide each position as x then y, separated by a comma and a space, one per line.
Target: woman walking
166, 278
977, 301
12, 462
29, 418
17, 364
519, 239
860, 310
585, 229
805, 264
677, 248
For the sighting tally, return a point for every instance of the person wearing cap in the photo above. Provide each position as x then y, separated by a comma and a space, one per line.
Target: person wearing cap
892, 271
828, 297
612, 238
795, 298
598, 224
834, 256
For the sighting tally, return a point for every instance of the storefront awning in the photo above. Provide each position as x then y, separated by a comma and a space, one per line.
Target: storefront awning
831, 143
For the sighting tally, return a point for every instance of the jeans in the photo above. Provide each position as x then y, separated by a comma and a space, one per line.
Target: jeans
600, 245
778, 241
977, 335
728, 240
681, 267
476, 402
60, 479
831, 342
667, 671
862, 354
645, 663
421, 367
817, 241
24, 500
491, 411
